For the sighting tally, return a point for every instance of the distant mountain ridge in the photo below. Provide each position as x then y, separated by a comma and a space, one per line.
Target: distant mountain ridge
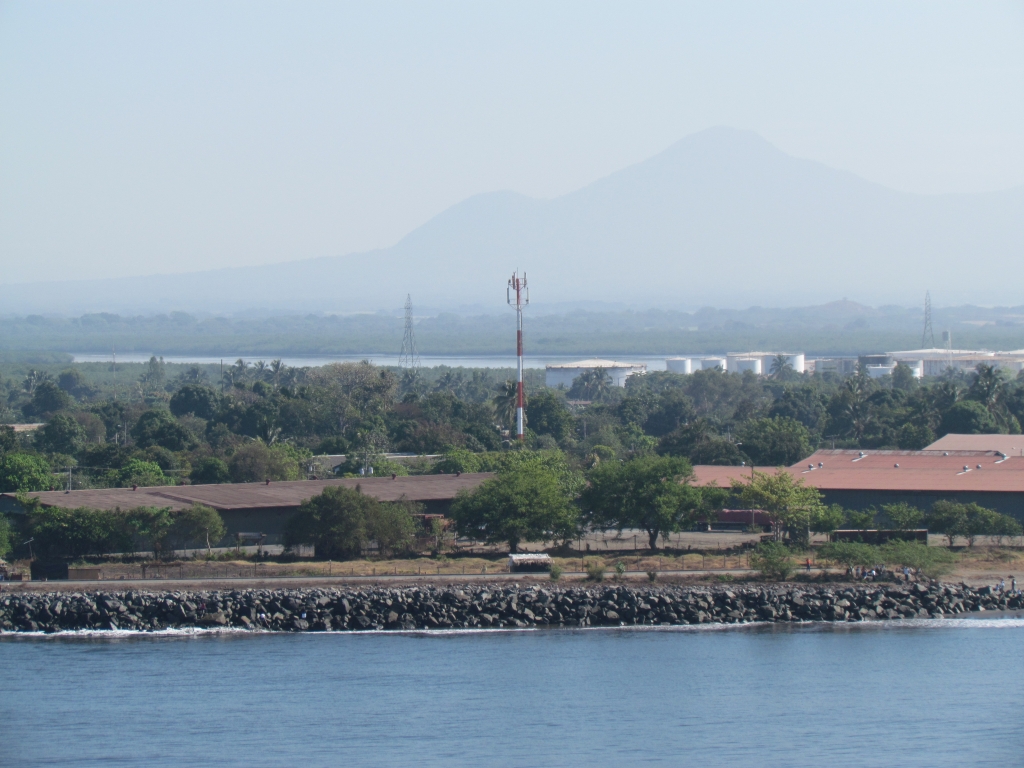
721, 218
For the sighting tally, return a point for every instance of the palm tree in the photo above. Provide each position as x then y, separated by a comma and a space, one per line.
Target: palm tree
260, 370
781, 367
597, 384
505, 403
276, 370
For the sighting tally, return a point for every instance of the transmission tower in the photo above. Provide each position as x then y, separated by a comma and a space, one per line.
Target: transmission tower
928, 334
518, 296
409, 358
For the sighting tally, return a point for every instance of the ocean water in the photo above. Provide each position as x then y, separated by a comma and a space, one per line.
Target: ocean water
928, 693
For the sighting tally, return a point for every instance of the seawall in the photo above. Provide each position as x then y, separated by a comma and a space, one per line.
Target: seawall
488, 606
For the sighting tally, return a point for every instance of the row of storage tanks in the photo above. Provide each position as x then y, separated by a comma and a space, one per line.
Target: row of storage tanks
758, 363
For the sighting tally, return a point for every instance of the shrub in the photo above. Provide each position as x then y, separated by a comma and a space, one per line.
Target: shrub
595, 570
620, 569
771, 560
556, 572
652, 576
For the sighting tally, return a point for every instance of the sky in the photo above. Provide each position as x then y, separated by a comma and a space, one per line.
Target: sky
142, 138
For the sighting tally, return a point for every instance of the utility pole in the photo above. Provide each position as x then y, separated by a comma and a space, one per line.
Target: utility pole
518, 296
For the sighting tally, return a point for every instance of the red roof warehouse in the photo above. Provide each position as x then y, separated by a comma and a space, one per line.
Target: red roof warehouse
859, 479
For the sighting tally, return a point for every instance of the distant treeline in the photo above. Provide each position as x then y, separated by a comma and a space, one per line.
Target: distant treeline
841, 328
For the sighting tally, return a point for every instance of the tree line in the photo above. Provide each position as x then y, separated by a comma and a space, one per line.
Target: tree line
268, 421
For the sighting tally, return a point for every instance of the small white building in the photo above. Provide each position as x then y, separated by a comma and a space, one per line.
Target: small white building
566, 373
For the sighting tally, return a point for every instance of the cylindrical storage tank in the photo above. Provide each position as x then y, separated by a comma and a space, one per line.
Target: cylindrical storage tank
707, 363
744, 364
795, 360
679, 365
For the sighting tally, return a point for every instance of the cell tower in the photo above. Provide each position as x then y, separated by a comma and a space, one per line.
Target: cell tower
409, 358
928, 334
518, 296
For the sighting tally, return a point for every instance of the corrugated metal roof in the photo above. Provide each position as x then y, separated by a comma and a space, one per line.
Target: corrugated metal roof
878, 470
231, 496
1011, 445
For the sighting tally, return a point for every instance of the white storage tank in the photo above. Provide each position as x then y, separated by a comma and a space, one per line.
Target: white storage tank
679, 365
795, 359
744, 364
707, 363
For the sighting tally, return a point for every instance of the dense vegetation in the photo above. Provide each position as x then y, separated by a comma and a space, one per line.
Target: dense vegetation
268, 421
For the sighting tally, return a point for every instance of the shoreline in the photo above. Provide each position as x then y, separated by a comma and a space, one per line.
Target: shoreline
498, 605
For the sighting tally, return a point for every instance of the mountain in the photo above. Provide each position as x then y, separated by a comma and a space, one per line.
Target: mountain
720, 218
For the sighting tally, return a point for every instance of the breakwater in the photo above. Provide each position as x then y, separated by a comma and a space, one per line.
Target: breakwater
488, 606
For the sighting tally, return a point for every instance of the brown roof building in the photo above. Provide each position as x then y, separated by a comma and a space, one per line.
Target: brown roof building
263, 507
860, 479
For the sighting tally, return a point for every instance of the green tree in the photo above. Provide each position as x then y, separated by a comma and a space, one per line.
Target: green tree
209, 470
525, 502
775, 442
256, 462
392, 526
652, 493
549, 415
827, 519
457, 460
8, 439
199, 523
848, 553
5, 536
159, 427
195, 399
903, 378
789, 503
62, 434
335, 523
948, 518
860, 519
901, 516
25, 472
140, 473
968, 417
48, 398
506, 403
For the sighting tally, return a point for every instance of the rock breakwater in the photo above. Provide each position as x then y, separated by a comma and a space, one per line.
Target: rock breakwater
491, 606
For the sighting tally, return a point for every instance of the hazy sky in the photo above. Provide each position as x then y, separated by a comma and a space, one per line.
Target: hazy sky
154, 137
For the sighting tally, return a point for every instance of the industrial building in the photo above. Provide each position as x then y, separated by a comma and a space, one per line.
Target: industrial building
263, 507
862, 479
1008, 445
564, 374
758, 363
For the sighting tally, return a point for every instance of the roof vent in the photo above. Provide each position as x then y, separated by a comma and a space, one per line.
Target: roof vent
897, 466
966, 468
821, 465
979, 466
862, 454
810, 466
945, 453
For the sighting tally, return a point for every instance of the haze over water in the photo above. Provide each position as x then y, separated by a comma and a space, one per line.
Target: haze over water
895, 694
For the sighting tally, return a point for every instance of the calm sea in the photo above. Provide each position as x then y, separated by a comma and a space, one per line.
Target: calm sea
901, 694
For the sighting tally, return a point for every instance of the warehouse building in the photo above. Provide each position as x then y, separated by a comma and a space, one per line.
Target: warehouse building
862, 479
263, 507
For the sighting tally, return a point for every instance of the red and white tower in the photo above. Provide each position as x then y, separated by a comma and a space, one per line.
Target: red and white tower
518, 296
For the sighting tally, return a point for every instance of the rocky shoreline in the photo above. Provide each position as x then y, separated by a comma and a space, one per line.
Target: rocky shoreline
488, 606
